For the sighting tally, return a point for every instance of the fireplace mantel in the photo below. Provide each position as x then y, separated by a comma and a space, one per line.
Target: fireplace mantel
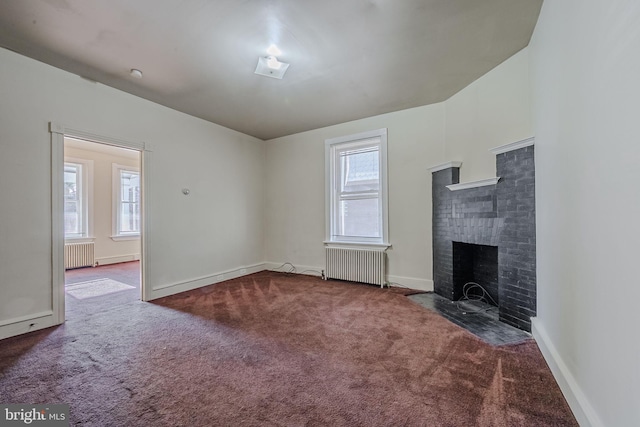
513, 146
473, 184
443, 166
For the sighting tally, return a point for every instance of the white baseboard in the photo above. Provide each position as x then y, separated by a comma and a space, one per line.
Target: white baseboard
117, 259
409, 282
187, 285
28, 323
582, 409
412, 283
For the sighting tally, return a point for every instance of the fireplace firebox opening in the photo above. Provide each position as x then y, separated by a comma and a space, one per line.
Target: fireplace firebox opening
475, 264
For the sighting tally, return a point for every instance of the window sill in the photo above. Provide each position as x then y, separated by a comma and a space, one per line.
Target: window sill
357, 245
124, 237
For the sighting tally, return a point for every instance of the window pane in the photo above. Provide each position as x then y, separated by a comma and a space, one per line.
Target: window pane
71, 218
130, 186
129, 202
359, 218
129, 218
360, 170
72, 199
70, 183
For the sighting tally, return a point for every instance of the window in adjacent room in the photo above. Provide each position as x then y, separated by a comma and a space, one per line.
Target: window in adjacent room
126, 198
73, 201
356, 188
77, 180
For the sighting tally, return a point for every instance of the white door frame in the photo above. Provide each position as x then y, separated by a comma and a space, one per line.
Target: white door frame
58, 133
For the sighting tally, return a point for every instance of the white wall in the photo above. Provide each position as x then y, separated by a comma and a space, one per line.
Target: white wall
585, 73
218, 228
107, 251
492, 111
295, 191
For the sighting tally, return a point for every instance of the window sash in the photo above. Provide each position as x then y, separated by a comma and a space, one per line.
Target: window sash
366, 223
132, 218
129, 202
358, 196
126, 201
74, 221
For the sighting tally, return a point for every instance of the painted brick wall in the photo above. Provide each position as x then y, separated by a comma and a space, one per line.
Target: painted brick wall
442, 243
502, 215
517, 246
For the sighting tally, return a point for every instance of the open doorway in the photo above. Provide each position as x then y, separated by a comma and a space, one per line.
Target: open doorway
102, 226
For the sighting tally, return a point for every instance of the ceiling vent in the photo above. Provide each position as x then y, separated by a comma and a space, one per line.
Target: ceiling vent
269, 66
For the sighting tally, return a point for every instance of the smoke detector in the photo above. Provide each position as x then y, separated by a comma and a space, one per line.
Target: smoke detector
269, 66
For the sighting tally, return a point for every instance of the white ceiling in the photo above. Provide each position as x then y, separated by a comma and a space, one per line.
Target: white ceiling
349, 58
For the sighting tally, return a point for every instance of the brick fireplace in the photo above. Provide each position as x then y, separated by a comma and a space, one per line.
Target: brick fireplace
484, 232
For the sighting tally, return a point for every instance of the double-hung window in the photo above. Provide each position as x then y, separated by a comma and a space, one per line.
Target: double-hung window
126, 198
356, 188
74, 216
77, 180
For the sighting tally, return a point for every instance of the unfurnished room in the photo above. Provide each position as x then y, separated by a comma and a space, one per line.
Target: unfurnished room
337, 213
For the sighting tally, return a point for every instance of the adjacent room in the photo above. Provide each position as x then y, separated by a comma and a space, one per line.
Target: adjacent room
341, 213
101, 226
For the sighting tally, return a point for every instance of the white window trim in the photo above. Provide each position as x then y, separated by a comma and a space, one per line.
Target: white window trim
87, 196
330, 144
115, 201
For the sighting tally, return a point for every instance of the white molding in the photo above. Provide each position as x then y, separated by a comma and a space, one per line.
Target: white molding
412, 283
29, 323
358, 245
199, 282
330, 145
59, 128
145, 218
474, 184
408, 282
58, 132
26, 318
443, 166
117, 259
356, 137
57, 234
512, 146
125, 237
583, 410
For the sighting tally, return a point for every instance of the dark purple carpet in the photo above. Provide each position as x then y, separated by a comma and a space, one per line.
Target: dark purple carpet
274, 349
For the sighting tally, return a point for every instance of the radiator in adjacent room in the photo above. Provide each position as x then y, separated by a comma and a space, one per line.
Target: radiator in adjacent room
78, 255
356, 265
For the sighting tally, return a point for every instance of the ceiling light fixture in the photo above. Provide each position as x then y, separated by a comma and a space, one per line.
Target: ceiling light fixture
274, 51
273, 63
136, 73
269, 66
